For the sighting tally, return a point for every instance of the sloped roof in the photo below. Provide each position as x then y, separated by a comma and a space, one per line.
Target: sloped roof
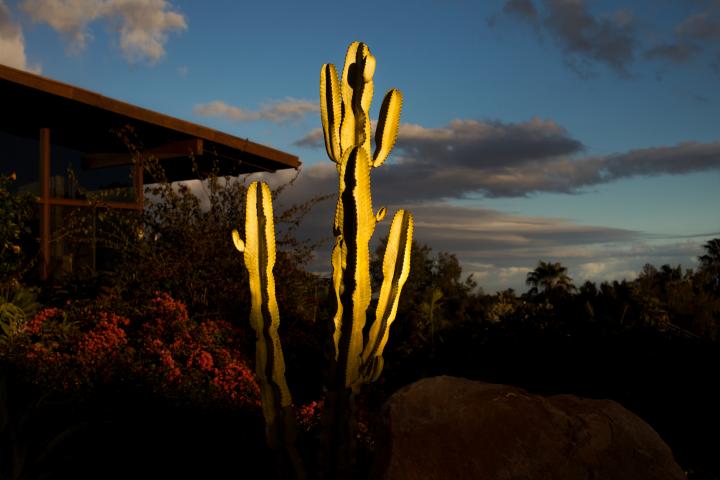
83, 120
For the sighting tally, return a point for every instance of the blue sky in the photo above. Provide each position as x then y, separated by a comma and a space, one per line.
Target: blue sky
579, 131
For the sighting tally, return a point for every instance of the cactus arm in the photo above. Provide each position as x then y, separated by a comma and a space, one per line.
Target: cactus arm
237, 241
331, 110
347, 128
380, 215
396, 268
387, 128
357, 90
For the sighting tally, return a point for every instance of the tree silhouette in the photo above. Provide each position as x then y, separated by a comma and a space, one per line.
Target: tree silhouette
551, 277
710, 265
712, 258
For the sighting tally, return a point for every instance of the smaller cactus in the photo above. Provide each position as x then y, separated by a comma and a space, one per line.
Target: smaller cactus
259, 254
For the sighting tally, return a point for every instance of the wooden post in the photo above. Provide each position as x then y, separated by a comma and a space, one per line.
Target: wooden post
138, 168
44, 202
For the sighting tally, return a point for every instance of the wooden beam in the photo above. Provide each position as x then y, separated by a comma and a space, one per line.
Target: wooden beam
180, 148
72, 202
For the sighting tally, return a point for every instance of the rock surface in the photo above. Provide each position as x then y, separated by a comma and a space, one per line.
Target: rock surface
454, 428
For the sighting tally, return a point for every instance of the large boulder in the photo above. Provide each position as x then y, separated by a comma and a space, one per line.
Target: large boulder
454, 428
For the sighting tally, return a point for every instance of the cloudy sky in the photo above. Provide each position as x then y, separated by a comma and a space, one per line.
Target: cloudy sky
580, 131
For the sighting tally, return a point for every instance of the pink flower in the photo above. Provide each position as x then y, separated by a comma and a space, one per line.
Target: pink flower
205, 360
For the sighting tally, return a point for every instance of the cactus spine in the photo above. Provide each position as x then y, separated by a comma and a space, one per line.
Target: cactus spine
259, 255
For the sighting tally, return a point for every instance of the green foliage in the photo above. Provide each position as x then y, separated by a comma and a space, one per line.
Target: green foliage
16, 209
17, 306
434, 299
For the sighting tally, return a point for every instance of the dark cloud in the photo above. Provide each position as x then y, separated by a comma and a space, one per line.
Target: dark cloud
585, 38
609, 40
476, 143
313, 139
701, 26
497, 159
498, 247
677, 53
612, 38
683, 158
522, 8
484, 144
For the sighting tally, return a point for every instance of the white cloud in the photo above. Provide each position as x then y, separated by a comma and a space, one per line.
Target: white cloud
607, 270
12, 42
276, 111
143, 25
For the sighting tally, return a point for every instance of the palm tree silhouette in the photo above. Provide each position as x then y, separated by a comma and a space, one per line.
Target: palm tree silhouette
712, 258
551, 277
710, 264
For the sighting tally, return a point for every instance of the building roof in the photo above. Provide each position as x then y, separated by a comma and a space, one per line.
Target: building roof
83, 120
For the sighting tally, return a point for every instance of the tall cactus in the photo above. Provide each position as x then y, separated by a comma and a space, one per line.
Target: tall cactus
344, 107
357, 360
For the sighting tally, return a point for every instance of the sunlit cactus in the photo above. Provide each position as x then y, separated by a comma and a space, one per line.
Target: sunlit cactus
344, 106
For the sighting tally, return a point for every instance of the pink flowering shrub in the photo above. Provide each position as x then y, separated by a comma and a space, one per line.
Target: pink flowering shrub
62, 353
308, 416
193, 361
164, 351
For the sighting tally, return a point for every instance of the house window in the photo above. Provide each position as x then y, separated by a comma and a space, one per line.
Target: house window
79, 175
20, 155
84, 238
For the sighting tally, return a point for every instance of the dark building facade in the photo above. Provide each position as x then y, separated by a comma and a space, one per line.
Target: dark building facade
75, 149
